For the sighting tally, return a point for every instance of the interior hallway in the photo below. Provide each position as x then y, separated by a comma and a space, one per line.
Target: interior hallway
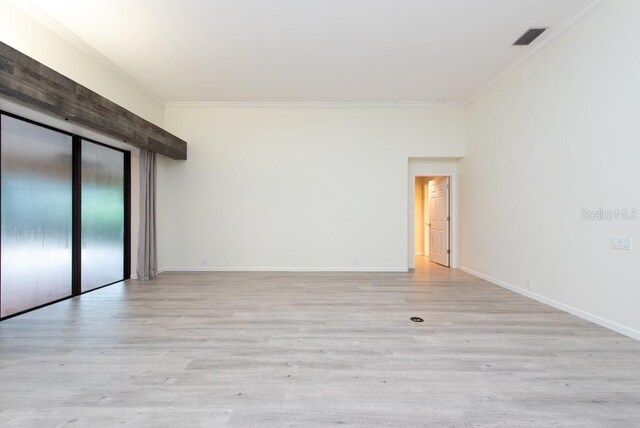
293, 349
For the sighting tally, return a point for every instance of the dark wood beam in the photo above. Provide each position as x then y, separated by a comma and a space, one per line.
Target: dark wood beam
28, 81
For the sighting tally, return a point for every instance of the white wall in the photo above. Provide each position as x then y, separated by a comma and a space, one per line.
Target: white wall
559, 134
67, 56
296, 188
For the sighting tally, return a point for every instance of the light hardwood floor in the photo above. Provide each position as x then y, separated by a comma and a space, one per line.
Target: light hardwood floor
313, 349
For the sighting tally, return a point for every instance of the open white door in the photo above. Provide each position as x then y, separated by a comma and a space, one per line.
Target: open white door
439, 220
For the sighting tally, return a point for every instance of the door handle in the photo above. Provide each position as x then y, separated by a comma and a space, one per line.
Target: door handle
429, 224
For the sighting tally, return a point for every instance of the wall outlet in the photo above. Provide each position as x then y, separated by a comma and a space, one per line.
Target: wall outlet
621, 243
205, 262
527, 283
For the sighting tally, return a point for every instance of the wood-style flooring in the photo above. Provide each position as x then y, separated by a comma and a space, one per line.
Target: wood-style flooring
313, 349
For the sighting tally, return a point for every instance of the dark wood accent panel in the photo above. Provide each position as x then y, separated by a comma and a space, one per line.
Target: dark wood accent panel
28, 81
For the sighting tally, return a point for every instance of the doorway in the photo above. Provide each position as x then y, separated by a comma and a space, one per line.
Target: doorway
432, 220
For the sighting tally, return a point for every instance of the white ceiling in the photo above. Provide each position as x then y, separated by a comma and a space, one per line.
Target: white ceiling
308, 50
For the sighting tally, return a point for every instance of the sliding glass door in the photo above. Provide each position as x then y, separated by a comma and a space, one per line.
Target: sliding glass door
103, 215
64, 209
36, 214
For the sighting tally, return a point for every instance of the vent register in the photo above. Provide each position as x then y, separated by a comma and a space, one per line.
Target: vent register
529, 36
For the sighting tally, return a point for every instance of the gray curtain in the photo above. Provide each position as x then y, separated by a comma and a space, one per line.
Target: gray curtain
147, 245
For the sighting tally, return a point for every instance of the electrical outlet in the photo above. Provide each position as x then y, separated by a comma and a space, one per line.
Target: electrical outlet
205, 262
621, 243
527, 283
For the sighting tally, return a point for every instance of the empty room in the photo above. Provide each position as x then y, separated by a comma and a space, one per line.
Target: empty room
287, 213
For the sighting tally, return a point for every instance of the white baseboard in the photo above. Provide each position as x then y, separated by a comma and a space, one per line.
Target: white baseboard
284, 269
611, 325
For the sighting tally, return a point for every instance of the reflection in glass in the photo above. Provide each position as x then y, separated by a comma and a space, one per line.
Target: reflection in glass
102, 216
36, 215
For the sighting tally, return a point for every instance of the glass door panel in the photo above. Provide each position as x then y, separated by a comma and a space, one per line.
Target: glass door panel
36, 215
102, 216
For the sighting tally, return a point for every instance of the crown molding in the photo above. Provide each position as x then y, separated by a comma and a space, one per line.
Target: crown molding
336, 104
45, 19
544, 40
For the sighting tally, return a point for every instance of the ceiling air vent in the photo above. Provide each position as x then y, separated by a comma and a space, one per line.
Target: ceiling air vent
529, 36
